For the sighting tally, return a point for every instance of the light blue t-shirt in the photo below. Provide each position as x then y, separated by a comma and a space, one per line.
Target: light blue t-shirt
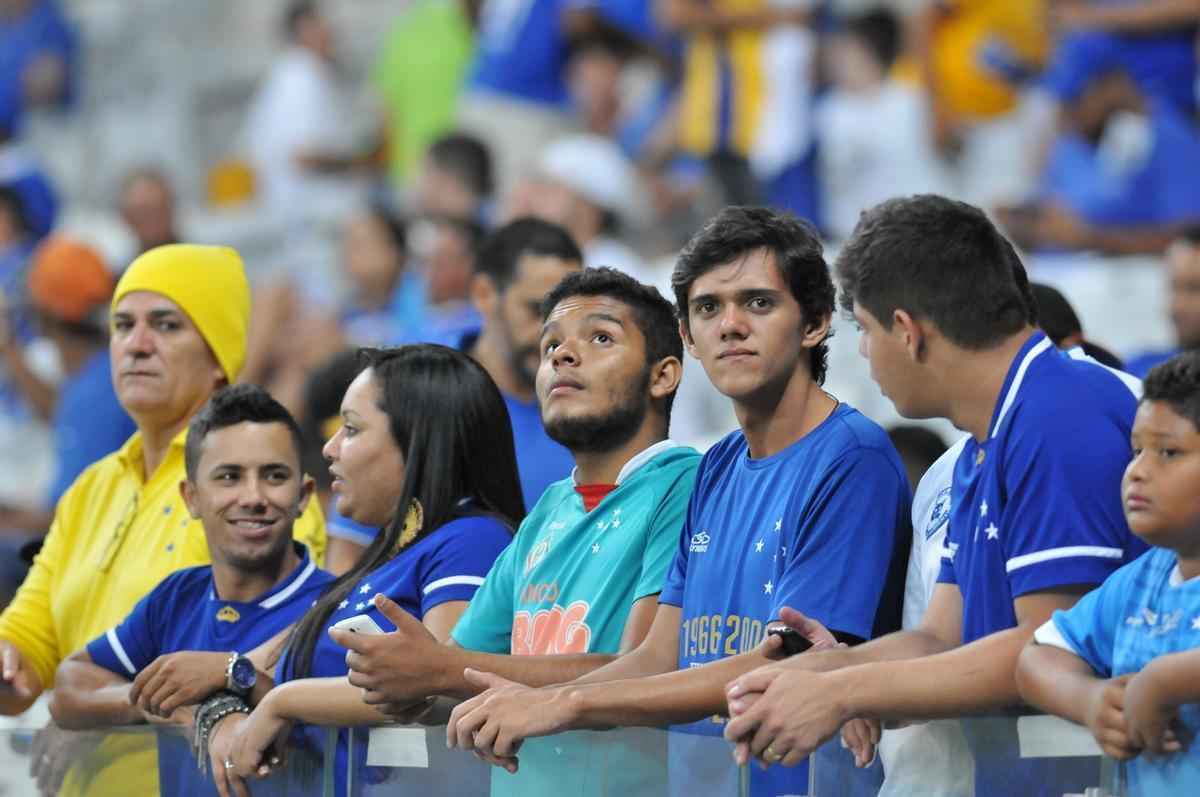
1143, 611
823, 526
567, 585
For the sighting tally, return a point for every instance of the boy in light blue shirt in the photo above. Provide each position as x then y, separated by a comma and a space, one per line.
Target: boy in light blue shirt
1118, 661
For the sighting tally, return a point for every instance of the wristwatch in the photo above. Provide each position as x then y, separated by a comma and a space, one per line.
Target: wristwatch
240, 674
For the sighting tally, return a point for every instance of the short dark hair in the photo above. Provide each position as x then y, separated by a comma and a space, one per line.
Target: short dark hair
1057, 317
879, 31
467, 158
13, 205
504, 247
230, 406
1176, 382
653, 314
737, 231
295, 14
1189, 235
936, 259
471, 232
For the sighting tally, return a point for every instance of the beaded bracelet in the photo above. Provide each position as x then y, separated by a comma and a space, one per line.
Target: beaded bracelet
210, 712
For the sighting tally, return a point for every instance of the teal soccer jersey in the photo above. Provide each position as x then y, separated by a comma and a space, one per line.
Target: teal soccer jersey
566, 585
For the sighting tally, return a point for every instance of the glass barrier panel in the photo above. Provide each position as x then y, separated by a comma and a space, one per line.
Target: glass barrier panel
362, 762
997, 756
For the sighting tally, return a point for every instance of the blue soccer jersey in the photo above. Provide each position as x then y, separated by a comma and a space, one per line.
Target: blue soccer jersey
1038, 504
1143, 611
521, 51
184, 613
822, 526
448, 564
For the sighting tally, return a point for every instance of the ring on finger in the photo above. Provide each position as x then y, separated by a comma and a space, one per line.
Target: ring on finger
770, 756
228, 764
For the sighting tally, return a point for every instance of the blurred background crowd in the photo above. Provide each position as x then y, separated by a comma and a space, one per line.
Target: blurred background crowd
358, 153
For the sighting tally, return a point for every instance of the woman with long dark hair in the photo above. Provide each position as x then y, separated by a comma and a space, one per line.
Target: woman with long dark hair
425, 451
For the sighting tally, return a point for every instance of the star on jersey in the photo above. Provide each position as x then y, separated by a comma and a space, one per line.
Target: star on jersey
758, 546
983, 509
360, 606
595, 548
1196, 623
779, 524
768, 588
992, 532
343, 604
364, 589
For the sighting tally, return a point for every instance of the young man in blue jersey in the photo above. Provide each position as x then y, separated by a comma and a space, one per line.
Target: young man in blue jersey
245, 484
1123, 661
805, 506
517, 266
580, 582
1035, 518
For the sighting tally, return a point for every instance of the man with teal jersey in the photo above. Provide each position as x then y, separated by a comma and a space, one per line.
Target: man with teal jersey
579, 584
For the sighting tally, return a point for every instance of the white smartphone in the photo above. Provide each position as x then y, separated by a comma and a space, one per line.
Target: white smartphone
359, 624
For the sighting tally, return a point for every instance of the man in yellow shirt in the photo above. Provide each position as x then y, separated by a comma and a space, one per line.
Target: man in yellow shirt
179, 318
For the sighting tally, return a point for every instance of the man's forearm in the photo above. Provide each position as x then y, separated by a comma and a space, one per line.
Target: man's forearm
527, 670
972, 679
658, 700
900, 645
1055, 681
87, 696
1179, 676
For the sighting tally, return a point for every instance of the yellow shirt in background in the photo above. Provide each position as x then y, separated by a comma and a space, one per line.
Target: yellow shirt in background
965, 84
115, 536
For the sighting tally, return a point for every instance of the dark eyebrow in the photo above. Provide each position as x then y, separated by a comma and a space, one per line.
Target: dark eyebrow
159, 315
606, 317
743, 295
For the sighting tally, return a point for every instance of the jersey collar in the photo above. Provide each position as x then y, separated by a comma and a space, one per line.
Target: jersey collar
637, 460
1037, 345
285, 589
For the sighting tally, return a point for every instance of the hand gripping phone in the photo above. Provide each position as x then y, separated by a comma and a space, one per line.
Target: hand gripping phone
359, 624
793, 641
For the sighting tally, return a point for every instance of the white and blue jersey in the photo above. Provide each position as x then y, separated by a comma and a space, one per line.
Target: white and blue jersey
521, 51
184, 612
822, 526
1037, 505
1143, 611
448, 564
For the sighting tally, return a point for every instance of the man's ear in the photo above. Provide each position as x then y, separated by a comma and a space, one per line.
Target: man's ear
816, 332
308, 487
912, 333
187, 491
686, 335
665, 376
484, 294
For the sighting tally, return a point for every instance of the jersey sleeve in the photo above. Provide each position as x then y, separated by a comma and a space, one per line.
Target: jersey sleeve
486, 625
841, 548
457, 568
1063, 522
1089, 628
662, 539
672, 588
131, 646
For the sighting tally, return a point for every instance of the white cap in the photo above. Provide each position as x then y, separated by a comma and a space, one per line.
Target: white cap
593, 167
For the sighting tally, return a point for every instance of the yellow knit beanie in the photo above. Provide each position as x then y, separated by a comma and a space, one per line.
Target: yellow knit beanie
209, 285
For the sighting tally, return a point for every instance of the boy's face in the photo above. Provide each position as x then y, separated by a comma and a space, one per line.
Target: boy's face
746, 328
1161, 488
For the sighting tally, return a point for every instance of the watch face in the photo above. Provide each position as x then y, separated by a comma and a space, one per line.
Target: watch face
243, 673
